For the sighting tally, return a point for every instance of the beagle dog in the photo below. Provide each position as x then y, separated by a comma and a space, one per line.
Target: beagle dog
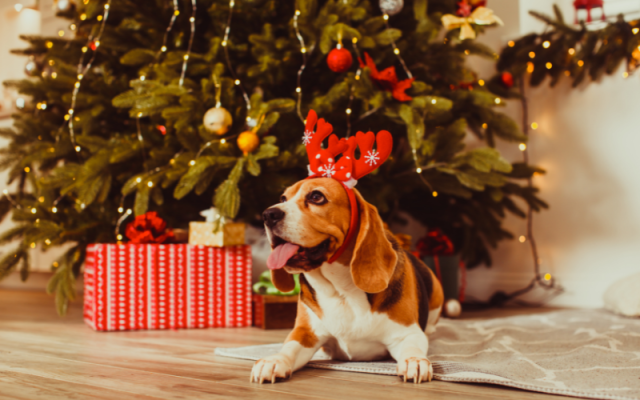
373, 301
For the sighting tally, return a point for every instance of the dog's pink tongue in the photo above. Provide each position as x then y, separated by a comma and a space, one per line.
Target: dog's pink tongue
280, 255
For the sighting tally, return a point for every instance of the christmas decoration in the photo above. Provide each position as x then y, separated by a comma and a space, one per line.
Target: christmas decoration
31, 67
248, 141
452, 308
150, 286
216, 231
465, 7
148, 228
507, 79
437, 251
63, 6
217, 120
480, 16
339, 60
111, 157
588, 5
613, 44
391, 7
274, 312
387, 79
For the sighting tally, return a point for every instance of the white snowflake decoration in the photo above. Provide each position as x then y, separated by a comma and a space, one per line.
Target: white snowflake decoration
371, 158
306, 139
328, 170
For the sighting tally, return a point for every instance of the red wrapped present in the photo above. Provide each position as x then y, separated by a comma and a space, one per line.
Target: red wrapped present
167, 286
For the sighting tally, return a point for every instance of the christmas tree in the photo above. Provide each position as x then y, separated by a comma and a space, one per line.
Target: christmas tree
173, 106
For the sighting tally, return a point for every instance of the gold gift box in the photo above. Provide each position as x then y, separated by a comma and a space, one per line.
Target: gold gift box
202, 233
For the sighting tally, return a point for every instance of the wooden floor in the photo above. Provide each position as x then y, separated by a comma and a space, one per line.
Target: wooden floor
46, 357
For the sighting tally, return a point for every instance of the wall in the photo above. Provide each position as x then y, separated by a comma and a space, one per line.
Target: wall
587, 141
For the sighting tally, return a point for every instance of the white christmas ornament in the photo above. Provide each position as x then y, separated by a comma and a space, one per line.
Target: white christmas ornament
217, 120
452, 308
391, 7
63, 5
31, 67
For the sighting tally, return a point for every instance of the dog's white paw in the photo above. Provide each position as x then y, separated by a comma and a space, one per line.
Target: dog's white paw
270, 368
417, 368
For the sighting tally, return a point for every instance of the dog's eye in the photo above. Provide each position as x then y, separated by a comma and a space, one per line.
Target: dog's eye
316, 197
283, 199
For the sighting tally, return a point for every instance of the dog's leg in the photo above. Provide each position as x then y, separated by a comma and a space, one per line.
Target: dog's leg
301, 344
411, 353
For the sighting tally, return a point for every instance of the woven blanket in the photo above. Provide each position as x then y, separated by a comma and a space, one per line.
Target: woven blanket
582, 353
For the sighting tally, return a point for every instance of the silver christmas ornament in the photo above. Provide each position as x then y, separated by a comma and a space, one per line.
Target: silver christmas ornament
391, 7
31, 67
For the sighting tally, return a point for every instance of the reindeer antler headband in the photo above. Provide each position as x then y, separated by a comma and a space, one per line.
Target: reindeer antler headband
347, 170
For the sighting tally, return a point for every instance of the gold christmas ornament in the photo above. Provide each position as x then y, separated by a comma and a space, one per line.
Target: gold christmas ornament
248, 141
217, 120
480, 16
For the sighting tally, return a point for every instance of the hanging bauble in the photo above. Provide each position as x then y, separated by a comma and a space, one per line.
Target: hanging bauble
588, 5
339, 59
452, 308
63, 6
507, 79
248, 141
31, 67
217, 120
391, 7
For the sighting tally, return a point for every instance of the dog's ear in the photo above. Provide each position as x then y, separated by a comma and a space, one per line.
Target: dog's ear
282, 280
374, 258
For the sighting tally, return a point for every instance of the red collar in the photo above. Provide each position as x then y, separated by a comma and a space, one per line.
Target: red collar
353, 223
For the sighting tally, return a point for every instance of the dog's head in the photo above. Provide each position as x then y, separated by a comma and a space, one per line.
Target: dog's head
311, 223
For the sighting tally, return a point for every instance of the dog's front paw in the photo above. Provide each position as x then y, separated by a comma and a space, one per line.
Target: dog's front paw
417, 368
270, 368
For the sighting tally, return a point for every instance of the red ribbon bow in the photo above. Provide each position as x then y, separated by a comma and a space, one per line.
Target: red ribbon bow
148, 228
387, 79
436, 243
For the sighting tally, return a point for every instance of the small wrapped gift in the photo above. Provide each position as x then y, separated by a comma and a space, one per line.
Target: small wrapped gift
166, 286
273, 309
436, 250
215, 231
149, 284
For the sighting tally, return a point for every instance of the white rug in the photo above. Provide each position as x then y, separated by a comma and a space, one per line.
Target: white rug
582, 353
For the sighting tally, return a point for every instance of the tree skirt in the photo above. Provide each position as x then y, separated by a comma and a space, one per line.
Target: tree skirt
582, 353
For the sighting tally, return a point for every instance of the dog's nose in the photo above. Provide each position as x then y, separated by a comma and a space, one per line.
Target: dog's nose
272, 216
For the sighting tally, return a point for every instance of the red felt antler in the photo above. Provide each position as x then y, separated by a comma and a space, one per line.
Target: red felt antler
322, 162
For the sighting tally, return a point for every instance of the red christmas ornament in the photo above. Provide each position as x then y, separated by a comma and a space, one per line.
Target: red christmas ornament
93, 45
162, 129
466, 7
148, 228
507, 79
588, 5
387, 79
339, 60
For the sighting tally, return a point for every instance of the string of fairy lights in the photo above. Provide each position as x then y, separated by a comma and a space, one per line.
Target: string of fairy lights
225, 46
93, 43
303, 51
192, 27
357, 76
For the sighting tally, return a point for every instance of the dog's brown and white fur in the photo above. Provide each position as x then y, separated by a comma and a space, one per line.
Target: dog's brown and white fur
372, 303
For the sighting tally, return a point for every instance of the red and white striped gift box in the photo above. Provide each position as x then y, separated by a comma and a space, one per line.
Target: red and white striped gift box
166, 286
